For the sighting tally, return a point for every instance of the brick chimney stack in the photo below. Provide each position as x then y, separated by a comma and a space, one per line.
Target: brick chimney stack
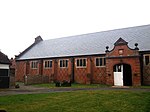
38, 39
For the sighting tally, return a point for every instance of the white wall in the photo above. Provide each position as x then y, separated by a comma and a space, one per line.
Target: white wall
4, 66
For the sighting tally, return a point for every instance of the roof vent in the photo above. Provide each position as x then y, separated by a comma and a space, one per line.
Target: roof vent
38, 39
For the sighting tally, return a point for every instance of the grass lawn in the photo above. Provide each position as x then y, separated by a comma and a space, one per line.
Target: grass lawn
73, 85
78, 101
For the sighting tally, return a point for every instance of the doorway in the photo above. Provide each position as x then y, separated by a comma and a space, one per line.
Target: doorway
122, 75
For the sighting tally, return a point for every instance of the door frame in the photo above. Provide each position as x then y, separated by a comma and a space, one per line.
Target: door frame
126, 77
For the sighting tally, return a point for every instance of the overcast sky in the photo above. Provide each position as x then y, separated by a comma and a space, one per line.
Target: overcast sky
23, 20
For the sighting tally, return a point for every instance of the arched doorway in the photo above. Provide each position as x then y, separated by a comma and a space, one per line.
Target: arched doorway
122, 75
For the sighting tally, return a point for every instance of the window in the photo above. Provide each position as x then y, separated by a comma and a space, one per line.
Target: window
48, 64
63, 63
100, 62
34, 64
81, 62
147, 60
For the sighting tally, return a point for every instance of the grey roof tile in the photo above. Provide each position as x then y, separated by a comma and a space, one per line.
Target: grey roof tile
87, 44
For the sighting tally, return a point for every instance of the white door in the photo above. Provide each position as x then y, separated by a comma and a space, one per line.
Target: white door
118, 75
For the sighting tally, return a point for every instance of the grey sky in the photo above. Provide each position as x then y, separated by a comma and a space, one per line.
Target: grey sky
22, 20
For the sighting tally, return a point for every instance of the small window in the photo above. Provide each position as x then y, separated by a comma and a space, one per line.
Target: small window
147, 60
48, 64
81, 62
63, 63
34, 64
100, 62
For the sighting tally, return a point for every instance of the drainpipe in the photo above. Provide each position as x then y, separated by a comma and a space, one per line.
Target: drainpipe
72, 69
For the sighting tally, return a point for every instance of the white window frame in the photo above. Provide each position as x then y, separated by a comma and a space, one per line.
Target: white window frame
50, 63
103, 64
144, 59
81, 66
64, 63
34, 64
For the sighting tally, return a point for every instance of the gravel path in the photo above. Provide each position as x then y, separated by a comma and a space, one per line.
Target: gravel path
35, 90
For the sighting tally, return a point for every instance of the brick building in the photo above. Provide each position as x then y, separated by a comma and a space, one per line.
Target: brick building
4, 71
116, 57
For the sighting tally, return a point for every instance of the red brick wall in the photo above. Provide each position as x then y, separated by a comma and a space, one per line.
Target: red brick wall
33, 71
48, 71
146, 75
98, 73
146, 71
63, 73
89, 74
20, 70
82, 74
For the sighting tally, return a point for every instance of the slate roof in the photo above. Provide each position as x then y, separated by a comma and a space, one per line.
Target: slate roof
4, 59
89, 44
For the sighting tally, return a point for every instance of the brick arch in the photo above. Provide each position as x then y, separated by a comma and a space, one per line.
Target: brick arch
127, 56
135, 67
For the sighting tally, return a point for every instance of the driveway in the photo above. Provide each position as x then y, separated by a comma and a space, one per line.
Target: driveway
35, 90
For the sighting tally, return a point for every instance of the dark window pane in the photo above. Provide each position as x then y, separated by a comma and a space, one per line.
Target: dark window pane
50, 64
3, 72
81, 62
84, 62
146, 60
97, 61
66, 63
77, 62
104, 61
61, 63
45, 64
100, 61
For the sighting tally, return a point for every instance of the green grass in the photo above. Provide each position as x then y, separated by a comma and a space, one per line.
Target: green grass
73, 85
79, 101
144, 87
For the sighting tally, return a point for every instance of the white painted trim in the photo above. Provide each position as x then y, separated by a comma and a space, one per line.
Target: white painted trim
80, 66
4, 66
49, 62
144, 58
34, 63
102, 62
64, 60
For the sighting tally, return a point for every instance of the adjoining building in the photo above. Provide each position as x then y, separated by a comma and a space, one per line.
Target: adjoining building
116, 57
4, 71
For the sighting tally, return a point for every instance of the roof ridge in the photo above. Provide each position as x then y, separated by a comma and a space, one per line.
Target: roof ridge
98, 32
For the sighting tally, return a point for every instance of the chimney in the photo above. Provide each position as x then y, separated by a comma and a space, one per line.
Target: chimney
38, 39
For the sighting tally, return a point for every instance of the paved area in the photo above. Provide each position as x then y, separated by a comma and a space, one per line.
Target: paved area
34, 90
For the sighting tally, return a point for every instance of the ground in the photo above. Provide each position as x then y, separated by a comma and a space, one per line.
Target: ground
78, 98
30, 89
